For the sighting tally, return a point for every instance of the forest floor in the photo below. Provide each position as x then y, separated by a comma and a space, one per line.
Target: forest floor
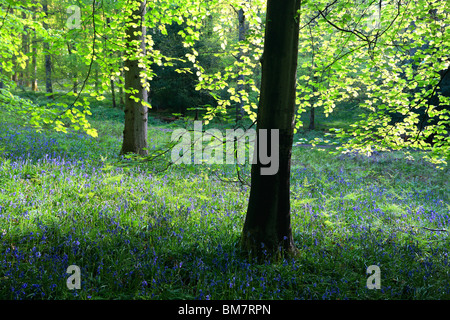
68, 199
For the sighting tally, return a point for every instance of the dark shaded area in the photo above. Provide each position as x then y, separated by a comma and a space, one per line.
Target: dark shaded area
443, 90
172, 91
425, 120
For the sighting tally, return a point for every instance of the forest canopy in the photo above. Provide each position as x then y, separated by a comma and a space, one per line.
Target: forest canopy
390, 58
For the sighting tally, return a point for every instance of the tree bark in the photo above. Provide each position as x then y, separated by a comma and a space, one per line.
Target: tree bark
120, 83
113, 93
71, 46
24, 74
34, 87
48, 72
267, 226
312, 123
1, 71
15, 75
240, 78
111, 81
136, 113
48, 60
96, 79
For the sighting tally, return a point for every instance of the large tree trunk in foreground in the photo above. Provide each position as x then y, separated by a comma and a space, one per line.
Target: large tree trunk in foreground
135, 131
267, 227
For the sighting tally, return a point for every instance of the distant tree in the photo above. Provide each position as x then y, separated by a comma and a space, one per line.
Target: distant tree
136, 112
1, 81
34, 85
24, 76
47, 56
74, 72
111, 78
240, 77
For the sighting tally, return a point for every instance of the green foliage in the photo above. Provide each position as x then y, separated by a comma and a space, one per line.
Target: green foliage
393, 66
389, 63
173, 87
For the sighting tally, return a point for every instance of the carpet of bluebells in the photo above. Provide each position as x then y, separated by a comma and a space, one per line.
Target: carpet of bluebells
136, 234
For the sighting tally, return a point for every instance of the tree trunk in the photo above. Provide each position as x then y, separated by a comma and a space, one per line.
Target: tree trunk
26, 49
48, 72
135, 131
75, 82
96, 80
121, 100
240, 78
120, 83
34, 87
267, 227
111, 81
113, 93
48, 60
73, 64
312, 119
15, 76
1, 71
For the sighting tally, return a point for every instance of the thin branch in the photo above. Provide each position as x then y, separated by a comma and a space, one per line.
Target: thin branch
317, 15
437, 230
355, 32
90, 64
3, 20
237, 12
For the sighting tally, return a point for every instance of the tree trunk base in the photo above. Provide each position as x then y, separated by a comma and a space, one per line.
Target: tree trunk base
261, 252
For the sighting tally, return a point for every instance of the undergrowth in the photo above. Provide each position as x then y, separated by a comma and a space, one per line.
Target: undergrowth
67, 199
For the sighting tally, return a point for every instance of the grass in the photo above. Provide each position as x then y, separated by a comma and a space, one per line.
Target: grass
138, 234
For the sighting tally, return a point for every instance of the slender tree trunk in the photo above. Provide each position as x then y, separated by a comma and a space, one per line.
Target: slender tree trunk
48, 72
15, 76
121, 95
70, 47
25, 77
75, 82
75, 75
34, 85
113, 94
1, 73
240, 78
48, 60
267, 227
96, 81
135, 131
120, 82
312, 119
111, 81
34, 60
